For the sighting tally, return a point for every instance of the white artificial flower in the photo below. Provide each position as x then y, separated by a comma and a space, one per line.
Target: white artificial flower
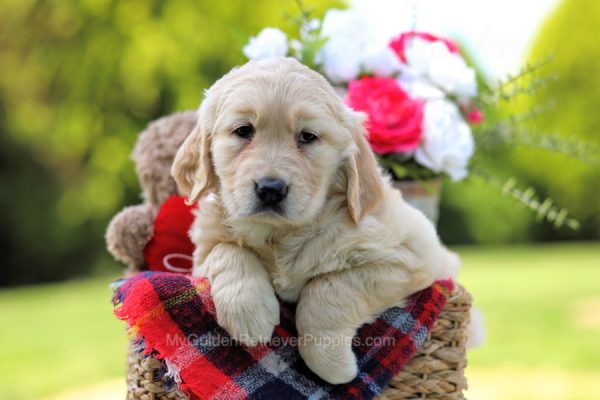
348, 37
269, 43
340, 61
419, 87
444, 69
352, 47
447, 143
382, 61
341, 55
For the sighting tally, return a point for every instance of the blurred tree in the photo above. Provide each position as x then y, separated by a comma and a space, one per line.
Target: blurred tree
78, 81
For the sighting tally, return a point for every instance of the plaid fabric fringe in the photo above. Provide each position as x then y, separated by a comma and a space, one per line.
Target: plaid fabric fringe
174, 317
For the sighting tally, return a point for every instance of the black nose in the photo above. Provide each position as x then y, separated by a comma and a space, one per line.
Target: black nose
271, 190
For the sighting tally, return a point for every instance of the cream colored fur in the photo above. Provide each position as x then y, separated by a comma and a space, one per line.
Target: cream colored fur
346, 246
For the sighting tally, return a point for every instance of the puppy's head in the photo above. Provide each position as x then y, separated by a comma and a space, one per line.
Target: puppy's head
272, 138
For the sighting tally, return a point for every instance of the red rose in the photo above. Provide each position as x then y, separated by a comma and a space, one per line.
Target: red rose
394, 119
399, 44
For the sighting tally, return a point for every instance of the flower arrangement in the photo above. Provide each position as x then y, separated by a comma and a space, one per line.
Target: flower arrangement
416, 89
424, 109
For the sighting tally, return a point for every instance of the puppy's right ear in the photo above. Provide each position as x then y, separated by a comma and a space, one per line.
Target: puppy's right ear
192, 167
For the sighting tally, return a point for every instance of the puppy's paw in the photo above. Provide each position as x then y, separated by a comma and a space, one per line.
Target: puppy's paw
249, 318
330, 356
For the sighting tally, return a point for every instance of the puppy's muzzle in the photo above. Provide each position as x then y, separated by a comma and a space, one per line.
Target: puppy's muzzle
271, 191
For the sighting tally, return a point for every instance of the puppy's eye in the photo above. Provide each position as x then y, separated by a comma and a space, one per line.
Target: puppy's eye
245, 131
307, 137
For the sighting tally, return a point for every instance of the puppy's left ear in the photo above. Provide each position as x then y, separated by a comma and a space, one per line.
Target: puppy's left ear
364, 183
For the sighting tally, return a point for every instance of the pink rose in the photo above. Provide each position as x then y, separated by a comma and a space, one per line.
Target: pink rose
394, 119
475, 116
399, 43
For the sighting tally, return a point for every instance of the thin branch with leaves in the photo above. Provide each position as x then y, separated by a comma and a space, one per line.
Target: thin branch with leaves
525, 81
545, 209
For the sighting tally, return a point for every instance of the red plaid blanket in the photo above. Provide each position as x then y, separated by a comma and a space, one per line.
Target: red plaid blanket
174, 316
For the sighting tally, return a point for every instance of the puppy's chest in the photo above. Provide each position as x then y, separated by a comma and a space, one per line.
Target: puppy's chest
288, 274
293, 262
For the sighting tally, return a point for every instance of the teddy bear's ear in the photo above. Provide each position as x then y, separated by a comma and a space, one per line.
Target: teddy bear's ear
192, 167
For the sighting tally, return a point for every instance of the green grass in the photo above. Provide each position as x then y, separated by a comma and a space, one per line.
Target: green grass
531, 298
54, 338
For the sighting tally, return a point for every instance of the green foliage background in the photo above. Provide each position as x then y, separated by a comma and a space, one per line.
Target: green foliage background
570, 35
80, 78
474, 211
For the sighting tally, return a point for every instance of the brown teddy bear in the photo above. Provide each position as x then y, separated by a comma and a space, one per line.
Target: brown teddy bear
132, 228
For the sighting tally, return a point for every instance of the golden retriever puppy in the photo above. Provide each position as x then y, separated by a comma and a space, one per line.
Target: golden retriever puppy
298, 209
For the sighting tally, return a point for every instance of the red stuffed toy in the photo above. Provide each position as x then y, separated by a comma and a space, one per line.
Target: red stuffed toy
162, 217
170, 248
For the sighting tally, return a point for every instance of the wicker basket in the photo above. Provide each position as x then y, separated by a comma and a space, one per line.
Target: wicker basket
435, 372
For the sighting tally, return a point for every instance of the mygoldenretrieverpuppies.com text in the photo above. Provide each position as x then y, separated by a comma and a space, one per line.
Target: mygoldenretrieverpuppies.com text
214, 340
